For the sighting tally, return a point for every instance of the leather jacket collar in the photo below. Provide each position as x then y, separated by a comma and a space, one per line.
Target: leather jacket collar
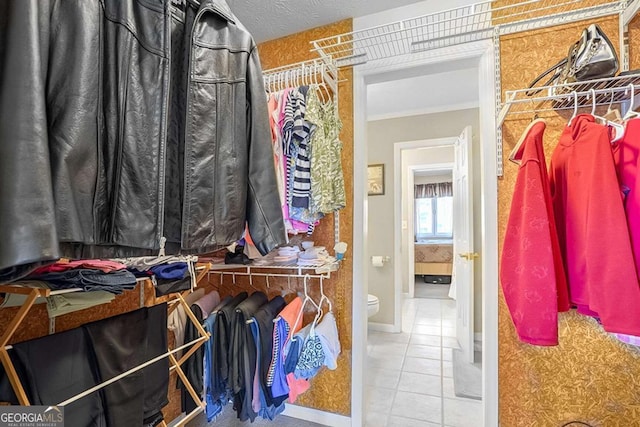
218, 6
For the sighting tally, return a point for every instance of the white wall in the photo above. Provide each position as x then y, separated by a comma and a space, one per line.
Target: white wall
382, 134
425, 156
434, 179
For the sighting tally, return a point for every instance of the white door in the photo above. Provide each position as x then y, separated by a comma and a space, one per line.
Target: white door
463, 243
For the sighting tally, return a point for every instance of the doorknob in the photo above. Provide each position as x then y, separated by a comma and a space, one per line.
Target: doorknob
469, 255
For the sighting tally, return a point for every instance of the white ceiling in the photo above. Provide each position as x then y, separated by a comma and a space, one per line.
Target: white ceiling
440, 87
267, 20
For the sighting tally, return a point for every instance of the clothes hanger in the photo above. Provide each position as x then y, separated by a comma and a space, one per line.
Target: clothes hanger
612, 114
617, 127
631, 114
323, 297
307, 298
575, 107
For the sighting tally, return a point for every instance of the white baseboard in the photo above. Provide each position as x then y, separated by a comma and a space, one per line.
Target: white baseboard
316, 416
382, 327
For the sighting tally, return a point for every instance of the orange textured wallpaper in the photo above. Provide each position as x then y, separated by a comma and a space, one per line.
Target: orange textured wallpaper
590, 376
330, 390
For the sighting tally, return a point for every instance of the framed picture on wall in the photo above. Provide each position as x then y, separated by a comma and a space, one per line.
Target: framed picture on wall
375, 179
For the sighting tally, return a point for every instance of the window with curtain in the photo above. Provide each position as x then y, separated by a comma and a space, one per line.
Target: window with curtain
434, 211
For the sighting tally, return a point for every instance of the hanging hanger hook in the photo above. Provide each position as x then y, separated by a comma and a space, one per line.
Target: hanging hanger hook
575, 106
610, 101
592, 92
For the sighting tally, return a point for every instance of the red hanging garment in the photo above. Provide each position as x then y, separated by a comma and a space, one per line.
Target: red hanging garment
531, 269
592, 227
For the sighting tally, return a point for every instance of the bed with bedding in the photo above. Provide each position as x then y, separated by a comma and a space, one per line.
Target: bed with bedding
433, 257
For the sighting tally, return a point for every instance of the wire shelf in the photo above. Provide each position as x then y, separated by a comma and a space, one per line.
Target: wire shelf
613, 90
315, 71
460, 25
273, 269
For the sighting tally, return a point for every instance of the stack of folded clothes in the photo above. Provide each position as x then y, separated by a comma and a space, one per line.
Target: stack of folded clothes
170, 273
88, 275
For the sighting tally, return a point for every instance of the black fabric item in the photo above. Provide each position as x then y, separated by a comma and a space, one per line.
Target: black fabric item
192, 367
6, 390
156, 376
166, 286
117, 343
237, 257
121, 343
222, 334
58, 367
264, 316
153, 420
242, 355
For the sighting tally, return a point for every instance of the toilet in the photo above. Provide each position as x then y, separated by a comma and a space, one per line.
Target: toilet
373, 305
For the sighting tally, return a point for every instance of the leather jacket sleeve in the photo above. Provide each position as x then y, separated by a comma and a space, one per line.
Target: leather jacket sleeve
27, 217
264, 213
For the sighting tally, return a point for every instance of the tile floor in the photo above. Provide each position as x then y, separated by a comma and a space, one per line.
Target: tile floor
410, 374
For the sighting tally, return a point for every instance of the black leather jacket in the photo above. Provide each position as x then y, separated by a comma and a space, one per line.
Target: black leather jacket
119, 127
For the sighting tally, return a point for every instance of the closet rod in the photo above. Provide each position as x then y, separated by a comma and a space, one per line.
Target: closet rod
130, 371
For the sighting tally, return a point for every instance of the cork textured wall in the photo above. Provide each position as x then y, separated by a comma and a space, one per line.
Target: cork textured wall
590, 376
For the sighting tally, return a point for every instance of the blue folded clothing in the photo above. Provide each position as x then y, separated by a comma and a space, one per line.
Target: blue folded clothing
173, 270
90, 280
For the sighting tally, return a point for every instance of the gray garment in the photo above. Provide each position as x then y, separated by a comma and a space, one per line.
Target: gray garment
177, 320
57, 305
147, 262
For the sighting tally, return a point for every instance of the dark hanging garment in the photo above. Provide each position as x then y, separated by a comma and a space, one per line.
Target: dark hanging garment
156, 376
121, 343
222, 334
6, 390
242, 354
214, 402
264, 318
58, 367
192, 367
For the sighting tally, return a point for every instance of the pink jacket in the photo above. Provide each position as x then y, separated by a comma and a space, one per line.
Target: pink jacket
531, 270
592, 227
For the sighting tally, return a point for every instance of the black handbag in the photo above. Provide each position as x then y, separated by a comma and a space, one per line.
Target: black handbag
591, 57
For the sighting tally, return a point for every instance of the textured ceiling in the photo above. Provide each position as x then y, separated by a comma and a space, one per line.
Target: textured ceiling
271, 19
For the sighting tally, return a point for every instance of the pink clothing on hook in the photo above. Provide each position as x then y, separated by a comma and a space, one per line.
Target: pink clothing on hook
592, 227
531, 271
626, 154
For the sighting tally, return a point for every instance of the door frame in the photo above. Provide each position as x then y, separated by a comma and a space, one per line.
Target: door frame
484, 50
409, 249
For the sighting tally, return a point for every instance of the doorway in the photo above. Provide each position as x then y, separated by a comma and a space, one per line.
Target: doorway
362, 77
